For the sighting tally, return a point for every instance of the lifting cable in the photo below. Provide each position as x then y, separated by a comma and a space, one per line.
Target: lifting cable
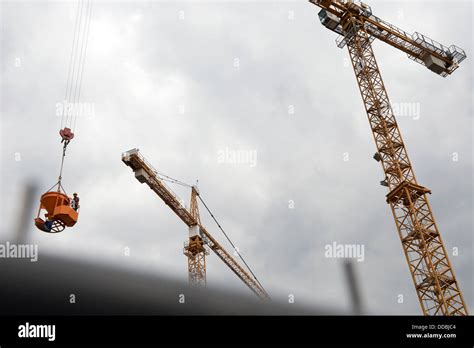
230, 241
75, 75
71, 59
175, 181
85, 42
62, 165
172, 180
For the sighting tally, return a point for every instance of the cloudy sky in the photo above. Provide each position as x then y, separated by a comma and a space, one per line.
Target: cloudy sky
259, 77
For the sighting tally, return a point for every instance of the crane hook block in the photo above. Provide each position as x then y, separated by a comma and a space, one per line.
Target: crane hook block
59, 212
66, 134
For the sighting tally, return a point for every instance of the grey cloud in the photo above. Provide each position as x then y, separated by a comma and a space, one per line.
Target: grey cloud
144, 62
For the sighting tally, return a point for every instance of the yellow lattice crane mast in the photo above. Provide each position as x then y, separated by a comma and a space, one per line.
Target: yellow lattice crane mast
199, 237
436, 285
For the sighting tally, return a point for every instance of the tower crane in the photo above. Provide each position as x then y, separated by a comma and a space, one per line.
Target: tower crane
199, 237
433, 276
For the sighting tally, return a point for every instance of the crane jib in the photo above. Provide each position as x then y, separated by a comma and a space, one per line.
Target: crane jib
145, 173
337, 15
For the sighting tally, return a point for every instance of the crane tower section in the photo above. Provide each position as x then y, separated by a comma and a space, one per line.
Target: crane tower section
434, 279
